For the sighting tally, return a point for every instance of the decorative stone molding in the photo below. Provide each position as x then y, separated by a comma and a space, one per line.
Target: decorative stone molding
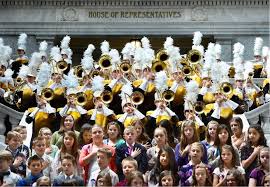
113, 3
199, 14
69, 14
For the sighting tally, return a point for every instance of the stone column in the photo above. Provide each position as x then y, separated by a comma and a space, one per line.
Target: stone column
226, 47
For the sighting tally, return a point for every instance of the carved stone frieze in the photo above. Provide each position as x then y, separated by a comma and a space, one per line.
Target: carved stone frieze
199, 14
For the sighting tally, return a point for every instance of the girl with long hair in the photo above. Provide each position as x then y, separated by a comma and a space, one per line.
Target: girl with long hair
210, 134
113, 134
85, 136
201, 176
238, 136
142, 137
250, 152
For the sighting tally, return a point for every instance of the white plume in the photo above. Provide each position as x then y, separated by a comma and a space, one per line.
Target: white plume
218, 49
70, 80
55, 53
22, 39
161, 81
97, 84
35, 61
65, 42
1, 41
145, 42
248, 68
174, 56
116, 59
8, 73
87, 63
24, 70
126, 91
43, 46
127, 51
89, 50
197, 38
43, 75
105, 47
192, 90
238, 50
258, 44
168, 43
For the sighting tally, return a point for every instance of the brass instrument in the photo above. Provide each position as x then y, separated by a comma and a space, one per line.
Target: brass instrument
19, 81
62, 65
95, 73
81, 98
184, 62
106, 97
125, 67
162, 55
78, 71
226, 88
194, 56
168, 95
105, 62
199, 107
158, 66
187, 70
47, 94
137, 98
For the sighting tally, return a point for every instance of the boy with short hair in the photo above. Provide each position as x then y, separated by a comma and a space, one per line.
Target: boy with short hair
35, 167
13, 141
68, 164
133, 149
129, 165
104, 156
39, 146
23, 148
8, 178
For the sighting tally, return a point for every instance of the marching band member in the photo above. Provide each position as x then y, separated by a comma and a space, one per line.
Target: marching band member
72, 107
266, 82
162, 111
131, 113
42, 115
258, 61
101, 114
22, 58
66, 53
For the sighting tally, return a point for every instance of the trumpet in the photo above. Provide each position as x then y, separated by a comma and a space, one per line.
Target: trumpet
226, 88
19, 80
47, 94
81, 99
95, 73
78, 71
106, 97
62, 65
199, 107
125, 67
158, 66
187, 70
162, 55
137, 98
168, 95
105, 62
194, 56
184, 62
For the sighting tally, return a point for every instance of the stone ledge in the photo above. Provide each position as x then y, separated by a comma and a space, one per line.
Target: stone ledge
126, 3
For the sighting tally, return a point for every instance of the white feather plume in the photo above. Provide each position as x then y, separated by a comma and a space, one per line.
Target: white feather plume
55, 53
218, 49
126, 91
116, 59
65, 42
43, 75
192, 90
197, 38
127, 51
248, 68
168, 43
105, 47
35, 61
8, 73
174, 56
70, 80
161, 81
258, 44
209, 57
238, 50
22, 39
43, 46
24, 70
89, 50
97, 84
87, 63
145, 42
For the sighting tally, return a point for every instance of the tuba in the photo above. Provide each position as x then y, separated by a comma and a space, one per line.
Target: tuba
226, 88
106, 97
47, 94
194, 56
81, 99
105, 62
168, 95
137, 98
199, 107
62, 65
162, 55
158, 66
